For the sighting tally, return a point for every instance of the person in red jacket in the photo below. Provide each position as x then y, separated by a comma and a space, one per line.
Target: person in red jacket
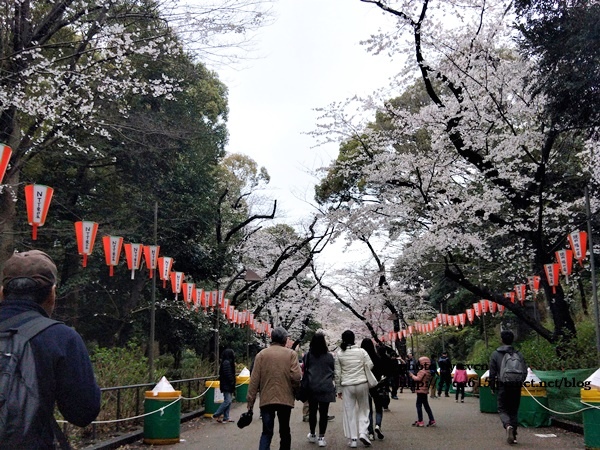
422, 380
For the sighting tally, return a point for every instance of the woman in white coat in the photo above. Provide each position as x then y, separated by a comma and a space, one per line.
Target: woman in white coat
352, 388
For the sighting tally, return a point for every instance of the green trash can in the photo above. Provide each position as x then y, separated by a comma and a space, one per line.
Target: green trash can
241, 388
162, 427
213, 398
532, 410
488, 402
591, 417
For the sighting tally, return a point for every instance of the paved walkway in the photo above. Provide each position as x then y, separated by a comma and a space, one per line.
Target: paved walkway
459, 426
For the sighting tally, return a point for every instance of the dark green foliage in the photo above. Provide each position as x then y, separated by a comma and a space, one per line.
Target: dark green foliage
564, 37
165, 152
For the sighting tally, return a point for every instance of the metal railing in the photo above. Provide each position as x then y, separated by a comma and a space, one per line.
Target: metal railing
121, 402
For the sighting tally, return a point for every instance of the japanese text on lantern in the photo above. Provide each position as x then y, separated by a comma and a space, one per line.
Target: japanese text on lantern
39, 200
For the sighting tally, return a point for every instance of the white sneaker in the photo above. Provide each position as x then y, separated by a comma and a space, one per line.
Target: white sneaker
311, 437
352, 443
322, 442
365, 440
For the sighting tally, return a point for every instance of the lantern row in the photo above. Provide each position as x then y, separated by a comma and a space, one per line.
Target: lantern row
564, 265
38, 199
198, 299
192, 296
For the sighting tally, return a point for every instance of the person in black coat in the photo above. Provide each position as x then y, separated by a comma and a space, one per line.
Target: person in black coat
227, 385
445, 366
394, 374
378, 396
319, 372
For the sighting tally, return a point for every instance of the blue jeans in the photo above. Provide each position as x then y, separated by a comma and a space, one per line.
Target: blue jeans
225, 406
283, 412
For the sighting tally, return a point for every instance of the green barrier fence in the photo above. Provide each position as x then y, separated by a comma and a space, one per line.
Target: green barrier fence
563, 390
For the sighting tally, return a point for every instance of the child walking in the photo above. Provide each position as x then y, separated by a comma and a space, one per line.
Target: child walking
460, 381
422, 380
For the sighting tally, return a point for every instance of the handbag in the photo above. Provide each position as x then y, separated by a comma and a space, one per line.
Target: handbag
301, 392
371, 379
245, 419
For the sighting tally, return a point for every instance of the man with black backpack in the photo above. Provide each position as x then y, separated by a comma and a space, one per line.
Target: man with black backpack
43, 362
507, 373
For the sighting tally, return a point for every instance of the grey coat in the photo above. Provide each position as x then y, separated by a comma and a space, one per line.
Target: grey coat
320, 370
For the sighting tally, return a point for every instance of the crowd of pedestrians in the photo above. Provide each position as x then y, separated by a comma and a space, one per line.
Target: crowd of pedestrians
363, 377
55, 361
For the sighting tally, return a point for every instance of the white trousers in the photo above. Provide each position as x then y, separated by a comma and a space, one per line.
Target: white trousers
356, 410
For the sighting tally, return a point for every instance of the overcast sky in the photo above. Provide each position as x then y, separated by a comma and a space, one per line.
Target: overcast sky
309, 58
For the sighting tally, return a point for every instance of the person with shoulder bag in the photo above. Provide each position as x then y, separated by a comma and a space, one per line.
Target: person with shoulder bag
378, 395
353, 389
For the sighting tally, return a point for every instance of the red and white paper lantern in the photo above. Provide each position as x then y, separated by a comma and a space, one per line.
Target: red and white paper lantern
552, 271
86, 237
501, 309
470, 314
199, 299
112, 251
564, 258
521, 292
165, 263
5, 154
37, 198
151, 258
578, 243
176, 282
133, 253
484, 306
534, 283
189, 292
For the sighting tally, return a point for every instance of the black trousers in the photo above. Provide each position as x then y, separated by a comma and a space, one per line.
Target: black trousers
509, 398
323, 409
445, 379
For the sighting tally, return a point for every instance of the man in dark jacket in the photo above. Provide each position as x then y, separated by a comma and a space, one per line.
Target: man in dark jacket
226, 385
509, 395
64, 371
445, 366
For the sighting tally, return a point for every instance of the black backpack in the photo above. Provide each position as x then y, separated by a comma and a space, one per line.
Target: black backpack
513, 369
19, 396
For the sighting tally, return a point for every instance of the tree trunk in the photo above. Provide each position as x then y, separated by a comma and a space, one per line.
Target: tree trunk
8, 212
564, 326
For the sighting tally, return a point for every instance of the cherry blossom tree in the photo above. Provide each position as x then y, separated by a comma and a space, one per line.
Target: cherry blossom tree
63, 61
475, 174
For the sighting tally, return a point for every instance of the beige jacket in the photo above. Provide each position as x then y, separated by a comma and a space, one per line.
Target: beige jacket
275, 374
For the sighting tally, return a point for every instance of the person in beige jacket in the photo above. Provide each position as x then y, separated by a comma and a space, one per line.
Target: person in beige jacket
275, 375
